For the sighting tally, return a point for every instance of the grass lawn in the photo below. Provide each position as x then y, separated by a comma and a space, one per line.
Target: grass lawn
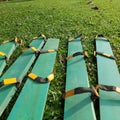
61, 19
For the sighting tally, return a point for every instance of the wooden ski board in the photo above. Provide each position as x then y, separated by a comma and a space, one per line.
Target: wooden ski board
108, 74
78, 106
18, 70
8, 49
31, 101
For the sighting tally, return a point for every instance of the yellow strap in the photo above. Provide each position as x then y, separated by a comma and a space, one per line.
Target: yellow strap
50, 77
107, 55
35, 37
117, 90
95, 90
5, 41
104, 54
42, 35
24, 49
71, 39
47, 51
51, 50
33, 48
69, 93
16, 39
9, 81
94, 53
2, 54
32, 76
85, 54
69, 57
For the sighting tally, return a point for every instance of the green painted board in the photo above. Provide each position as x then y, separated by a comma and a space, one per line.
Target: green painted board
8, 49
78, 106
31, 101
18, 69
108, 74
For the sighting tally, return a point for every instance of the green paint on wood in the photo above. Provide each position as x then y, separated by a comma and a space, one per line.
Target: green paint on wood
31, 101
108, 74
18, 70
8, 49
78, 106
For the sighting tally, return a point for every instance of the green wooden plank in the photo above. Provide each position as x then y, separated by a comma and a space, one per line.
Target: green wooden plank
108, 74
8, 49
31, 101
78, 106
18, 70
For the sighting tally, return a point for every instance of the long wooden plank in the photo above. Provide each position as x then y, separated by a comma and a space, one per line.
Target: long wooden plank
18, 70
8, 49
78, 106
31, 101
108, 74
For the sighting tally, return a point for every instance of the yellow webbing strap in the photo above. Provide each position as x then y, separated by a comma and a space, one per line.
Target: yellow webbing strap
6, 41
35, 37
32, 76
41, 35
9, 81
33, 48
40, 79
80, 90
72, 39
93, 90
50, 77
104, 54
76, 54
16, 40
69, 93
51, 50
2, 54
69, 57
48, 51
99, 35
102, 36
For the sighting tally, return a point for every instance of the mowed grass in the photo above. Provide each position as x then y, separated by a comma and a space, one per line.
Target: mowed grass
62, 19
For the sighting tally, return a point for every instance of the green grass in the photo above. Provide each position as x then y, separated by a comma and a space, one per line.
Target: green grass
62, 19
